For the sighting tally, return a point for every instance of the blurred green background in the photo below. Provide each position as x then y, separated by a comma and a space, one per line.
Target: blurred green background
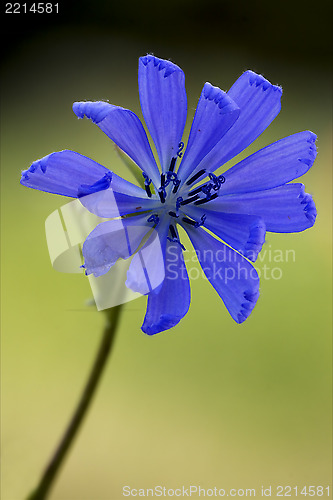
209, 402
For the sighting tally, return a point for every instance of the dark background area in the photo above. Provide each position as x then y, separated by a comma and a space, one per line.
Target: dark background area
289, 30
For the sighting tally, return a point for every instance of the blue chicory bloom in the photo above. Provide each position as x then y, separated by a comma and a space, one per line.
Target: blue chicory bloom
238, 206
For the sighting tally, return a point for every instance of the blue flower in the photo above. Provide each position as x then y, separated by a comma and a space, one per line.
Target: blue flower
238, 206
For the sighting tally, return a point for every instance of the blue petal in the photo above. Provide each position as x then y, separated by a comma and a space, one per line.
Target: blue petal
125, 129
285, 209
64, 173
109, 203
120, 185
112, 240
146, 271
167, 307
259, 102
244, 233
281, 162
164, 105
233, 277
215, 114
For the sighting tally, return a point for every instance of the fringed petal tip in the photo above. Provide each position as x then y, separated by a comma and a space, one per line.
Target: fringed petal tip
161, 64
221, 99
259, 80
247, 307
166, 321
96, 111
38, 164
312, 150
256, 240
64, 173
309, 206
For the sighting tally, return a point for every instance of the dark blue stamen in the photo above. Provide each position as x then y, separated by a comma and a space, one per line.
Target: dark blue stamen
172, 164
147, 182
195, 177
193, 222
162, 180
189, 221
176, 240
181, 147
206, 188
172, 231
153, 218
146, 178
173, 214
195, 191
171, 177
162, 194
176, 186
189, 200
206, 200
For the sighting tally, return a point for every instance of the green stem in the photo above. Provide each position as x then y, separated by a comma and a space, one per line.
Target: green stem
51, 471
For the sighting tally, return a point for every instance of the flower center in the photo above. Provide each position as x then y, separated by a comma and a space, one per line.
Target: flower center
175, 197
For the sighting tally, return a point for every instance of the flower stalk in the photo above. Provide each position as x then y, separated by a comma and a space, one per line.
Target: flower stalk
105, 347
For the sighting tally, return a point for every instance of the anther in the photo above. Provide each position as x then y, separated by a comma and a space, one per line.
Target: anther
162, 180
173, 214
195, 177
